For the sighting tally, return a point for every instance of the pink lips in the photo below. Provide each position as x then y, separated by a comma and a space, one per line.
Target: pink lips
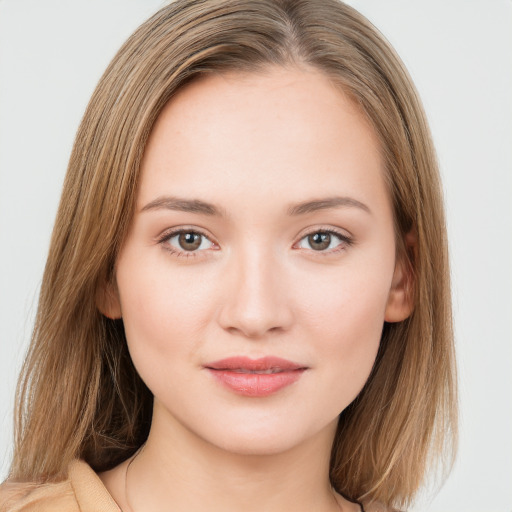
255, 377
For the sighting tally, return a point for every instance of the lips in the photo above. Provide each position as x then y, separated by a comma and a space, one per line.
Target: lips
256, 377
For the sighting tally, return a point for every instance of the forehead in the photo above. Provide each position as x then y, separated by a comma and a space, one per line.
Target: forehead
280, 131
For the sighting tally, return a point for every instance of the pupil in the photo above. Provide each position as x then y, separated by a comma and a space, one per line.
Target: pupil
319, 241
189, 241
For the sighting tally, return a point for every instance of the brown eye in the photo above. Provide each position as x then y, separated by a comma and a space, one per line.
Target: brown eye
324, 241
189, 241
319, 241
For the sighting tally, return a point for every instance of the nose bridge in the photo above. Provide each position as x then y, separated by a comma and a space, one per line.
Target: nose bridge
256, 300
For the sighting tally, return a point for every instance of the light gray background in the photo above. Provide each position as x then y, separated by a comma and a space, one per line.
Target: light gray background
459, 52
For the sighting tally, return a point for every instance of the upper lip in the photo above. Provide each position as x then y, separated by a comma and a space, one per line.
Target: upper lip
260, 364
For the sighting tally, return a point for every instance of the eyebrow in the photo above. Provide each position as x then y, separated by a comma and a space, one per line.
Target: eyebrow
326, 203
184, 205
205, 208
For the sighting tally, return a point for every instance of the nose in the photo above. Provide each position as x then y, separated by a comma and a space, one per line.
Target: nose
257, 296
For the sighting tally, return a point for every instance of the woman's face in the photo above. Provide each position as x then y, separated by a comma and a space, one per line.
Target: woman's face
260, 265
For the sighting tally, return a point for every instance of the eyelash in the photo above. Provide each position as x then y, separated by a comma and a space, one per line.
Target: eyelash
180, 254
346, 241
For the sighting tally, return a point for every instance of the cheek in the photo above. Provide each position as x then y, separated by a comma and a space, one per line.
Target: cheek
345, 303
345, 315
164, 310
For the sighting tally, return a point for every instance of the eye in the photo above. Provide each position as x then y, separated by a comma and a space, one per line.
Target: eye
186, 242
324, 241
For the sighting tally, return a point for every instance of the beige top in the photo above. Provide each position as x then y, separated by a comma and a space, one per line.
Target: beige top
83, 491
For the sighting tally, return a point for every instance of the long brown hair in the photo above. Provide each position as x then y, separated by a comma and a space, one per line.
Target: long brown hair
79, 394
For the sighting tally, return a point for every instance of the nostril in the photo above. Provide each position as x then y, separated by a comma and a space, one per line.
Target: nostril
254, 302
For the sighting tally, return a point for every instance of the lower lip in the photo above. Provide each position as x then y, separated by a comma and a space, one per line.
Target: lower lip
256, 384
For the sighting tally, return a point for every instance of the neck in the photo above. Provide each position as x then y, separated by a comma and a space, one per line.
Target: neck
178, 470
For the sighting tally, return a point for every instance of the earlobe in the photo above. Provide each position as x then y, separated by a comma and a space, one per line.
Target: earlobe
400, 303
107, 301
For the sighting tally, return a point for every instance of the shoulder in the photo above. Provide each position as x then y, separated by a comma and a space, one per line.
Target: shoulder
82, 491
28, 497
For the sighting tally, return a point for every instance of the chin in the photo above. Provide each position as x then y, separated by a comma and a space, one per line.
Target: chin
266, 438
258, 444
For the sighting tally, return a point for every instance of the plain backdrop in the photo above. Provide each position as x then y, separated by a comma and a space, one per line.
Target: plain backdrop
52, 54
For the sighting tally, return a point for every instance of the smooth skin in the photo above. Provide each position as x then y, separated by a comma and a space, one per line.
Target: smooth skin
257, 275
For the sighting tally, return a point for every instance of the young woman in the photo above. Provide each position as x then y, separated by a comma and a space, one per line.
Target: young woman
246, 302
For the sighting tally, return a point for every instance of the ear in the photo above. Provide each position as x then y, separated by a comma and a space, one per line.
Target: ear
400, 303
107, 300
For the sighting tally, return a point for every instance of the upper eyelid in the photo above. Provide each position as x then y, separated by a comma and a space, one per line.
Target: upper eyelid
342, 233
170, 232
